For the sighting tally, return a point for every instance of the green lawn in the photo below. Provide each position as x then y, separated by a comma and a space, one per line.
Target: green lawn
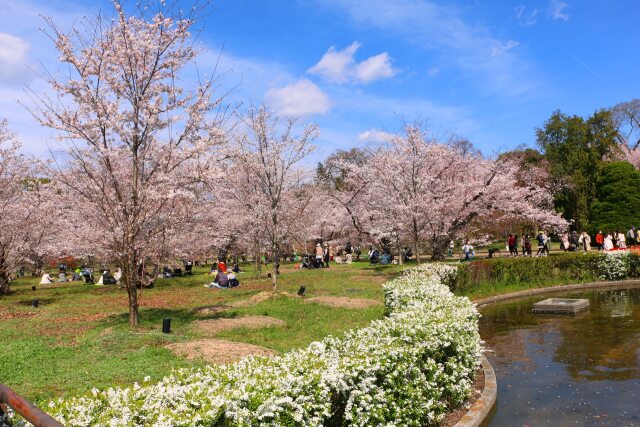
78, 338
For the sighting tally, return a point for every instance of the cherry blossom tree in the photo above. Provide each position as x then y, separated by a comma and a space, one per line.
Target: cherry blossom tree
627, 118
26, 207
139, 146
268, 181
432, 192
630, 155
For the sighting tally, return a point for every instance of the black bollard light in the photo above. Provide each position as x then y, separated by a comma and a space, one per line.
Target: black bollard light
166, 326
33, 288
301, 290
35, 303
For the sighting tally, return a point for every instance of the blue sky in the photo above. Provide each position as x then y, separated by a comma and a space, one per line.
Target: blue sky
490, 71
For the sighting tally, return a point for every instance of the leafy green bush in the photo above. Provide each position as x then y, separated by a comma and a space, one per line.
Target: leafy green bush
566, 268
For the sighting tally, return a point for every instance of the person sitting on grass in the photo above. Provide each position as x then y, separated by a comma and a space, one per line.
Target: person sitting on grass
108, 279
233, 281
46, 279
385, 259
87, 273
222, 278
374, 256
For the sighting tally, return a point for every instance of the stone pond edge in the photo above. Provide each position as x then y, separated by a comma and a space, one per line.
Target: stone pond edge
560, 288
482, 407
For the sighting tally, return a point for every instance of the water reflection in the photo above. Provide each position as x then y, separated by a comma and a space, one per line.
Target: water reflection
560, 370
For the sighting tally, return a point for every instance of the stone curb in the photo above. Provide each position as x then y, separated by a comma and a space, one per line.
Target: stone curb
581, 286
481, 408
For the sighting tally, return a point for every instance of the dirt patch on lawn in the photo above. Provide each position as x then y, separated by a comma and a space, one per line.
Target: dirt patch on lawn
8, 315
215, 326
255, 299
261, 297
344, 302
371, 278
218, 351
209, 311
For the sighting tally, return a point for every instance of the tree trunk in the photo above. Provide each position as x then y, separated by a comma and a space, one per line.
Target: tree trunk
439, 246
400, 260
133, 306
258, 261
5, 285
274, 270
416, 240
131, 280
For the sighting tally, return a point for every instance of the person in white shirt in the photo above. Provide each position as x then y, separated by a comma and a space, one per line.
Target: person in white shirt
468, 251
46, 279
608, 242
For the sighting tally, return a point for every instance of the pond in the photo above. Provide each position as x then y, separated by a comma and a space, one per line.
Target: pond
566, 370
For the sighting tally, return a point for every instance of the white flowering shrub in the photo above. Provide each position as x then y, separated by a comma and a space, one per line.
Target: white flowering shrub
406, 369
614, 265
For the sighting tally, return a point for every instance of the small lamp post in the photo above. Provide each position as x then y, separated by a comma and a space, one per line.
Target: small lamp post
166, 326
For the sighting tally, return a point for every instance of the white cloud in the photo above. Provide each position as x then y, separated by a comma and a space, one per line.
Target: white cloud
374, 135
525, 18
375, 68
13, 58
298, 99
433, 71
442, 28
557, 10
340, 66
335, 66
503, 47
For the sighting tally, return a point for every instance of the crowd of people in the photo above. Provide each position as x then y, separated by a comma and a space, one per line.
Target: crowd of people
574, 242
324, 254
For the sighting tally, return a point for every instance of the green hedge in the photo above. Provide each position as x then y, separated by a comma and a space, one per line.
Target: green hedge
565, 268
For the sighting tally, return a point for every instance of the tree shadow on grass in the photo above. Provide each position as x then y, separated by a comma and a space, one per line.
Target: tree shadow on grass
41, 301
152, 318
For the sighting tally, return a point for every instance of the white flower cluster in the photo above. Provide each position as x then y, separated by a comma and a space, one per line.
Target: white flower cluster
406, 369
614, 265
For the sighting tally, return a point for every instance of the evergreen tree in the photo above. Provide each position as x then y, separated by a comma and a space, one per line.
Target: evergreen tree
617, 204
577, 150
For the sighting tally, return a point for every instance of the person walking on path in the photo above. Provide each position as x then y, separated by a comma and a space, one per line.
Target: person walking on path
319, 254
586, 241
541, 244
564, 241
511, 242
632, 236
608, 242
468, 251
526, 249
599, 240
326, 255
574, 241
